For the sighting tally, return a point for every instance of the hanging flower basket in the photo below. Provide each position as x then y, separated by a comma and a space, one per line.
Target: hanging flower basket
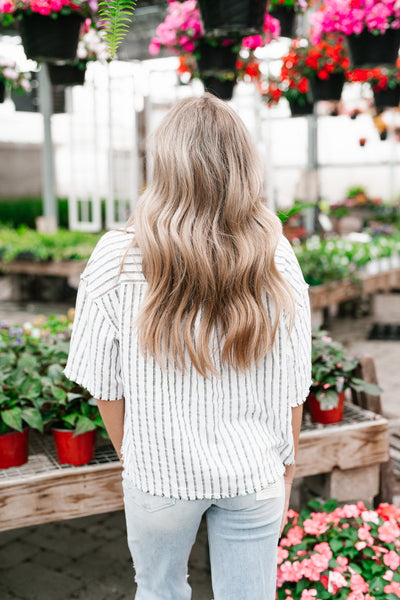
67, 75
327, 89
14, 448
369, 50
222, 88
2, 91
301, 109
48, 39
319, 414
241, 17
387, 98
74, 449
287, 19
216, 58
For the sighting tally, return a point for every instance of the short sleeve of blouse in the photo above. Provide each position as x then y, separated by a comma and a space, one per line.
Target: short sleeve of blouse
300, 337
94, 360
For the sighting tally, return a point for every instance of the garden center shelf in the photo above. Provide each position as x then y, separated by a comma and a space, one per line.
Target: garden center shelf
42, 490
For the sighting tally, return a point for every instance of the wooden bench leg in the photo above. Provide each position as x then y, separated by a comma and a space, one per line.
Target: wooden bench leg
348, 485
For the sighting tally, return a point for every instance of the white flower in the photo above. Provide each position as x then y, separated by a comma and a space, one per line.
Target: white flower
35, 333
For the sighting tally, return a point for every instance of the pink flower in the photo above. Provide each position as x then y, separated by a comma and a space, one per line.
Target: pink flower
370, 516
324, 549
317, 525
392, 588
336, 581
358, 584
308, 594
388, 576
392, 560
282, 555
388, 532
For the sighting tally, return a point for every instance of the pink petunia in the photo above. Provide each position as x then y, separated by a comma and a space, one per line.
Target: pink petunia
392, 560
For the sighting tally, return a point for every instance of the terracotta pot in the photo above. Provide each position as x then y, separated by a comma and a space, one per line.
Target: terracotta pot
14, 448
369, 50
50, 40
318, 415
241, 17
74, 450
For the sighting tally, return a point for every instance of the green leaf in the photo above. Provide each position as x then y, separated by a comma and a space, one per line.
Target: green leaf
31, 388
59, 394
336, 544
12, 418
55, 372
84, 424
115, 19
364, 386
33, 417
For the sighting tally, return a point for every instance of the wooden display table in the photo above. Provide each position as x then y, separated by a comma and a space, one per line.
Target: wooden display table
42, 490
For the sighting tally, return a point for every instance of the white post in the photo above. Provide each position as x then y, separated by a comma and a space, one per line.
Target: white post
46, 108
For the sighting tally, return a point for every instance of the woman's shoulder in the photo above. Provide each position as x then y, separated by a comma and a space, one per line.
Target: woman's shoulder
288, 266
114, 250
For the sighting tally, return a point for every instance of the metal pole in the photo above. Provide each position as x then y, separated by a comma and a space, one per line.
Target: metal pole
312, 168
46, 108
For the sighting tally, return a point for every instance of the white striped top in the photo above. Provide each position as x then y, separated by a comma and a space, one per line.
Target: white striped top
186, 436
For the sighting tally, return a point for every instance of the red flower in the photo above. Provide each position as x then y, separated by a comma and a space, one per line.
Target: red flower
303, 85
323, 74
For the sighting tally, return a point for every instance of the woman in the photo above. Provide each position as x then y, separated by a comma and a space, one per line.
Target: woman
192, 331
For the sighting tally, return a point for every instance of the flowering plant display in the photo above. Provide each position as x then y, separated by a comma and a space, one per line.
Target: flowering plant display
379, 78
337, 553
52, 8
11, 76
333, 372
353, 16
248, 67
182, 33
314, 61
91, 45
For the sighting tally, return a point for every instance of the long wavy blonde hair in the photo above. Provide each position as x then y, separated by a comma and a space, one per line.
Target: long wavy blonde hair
208, 242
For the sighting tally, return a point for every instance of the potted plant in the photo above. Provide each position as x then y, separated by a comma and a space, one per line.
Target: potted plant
12, 78
20, 391
293, 87
385, 83
323, 64
371, 27
49, 30
332, 373
285, 11
335, 552
212, 60
91, 47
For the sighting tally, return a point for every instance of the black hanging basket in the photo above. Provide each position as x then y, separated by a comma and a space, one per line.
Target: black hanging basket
222, 88
67, 75
235, 17
369, 50
301, 108
2, 91
287, 19
389, 98
50, 40
327, 89
215, 59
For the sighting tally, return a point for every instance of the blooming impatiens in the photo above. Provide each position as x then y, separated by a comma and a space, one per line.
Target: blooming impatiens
12, 77
48, 7
353, 16
319, 559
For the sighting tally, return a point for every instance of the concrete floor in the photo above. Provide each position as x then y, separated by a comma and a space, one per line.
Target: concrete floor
87, 558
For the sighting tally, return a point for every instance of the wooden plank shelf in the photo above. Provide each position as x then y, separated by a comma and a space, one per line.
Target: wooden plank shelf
42, 490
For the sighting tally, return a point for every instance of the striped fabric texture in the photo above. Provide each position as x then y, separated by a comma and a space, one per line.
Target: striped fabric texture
186, 436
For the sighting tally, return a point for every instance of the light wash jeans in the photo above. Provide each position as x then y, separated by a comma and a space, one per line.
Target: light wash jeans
242, 532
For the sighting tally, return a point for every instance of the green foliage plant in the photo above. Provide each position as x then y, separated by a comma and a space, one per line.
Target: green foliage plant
115, 19
333, 372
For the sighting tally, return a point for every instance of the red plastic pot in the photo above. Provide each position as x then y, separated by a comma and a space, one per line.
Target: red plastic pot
74, 450
318, 415
13, 448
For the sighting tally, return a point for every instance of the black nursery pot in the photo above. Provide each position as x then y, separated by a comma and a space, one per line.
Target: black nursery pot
327, 89
301, 109
287, 19
66, 75
50, 40
223, 89
387, 98
242, 17
2, 91
369, 50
